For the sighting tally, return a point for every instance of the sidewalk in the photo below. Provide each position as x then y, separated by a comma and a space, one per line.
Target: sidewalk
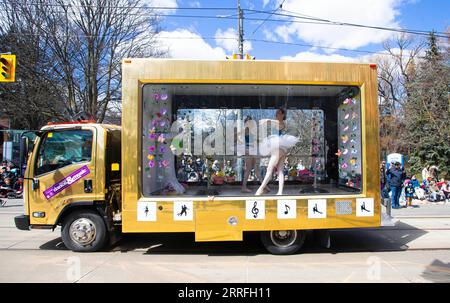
423, 209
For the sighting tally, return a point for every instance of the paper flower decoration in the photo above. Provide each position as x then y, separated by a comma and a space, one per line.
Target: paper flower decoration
161, 138
162, 149
151, 163
346, 128
345, 152
157, 97
164, 97
152, 136
344, 139
163, 111
344, 166
347, 116
339, 153
165, 163
150, 157
354, 116
152, 148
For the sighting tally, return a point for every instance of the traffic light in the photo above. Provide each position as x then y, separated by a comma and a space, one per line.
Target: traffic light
7, 68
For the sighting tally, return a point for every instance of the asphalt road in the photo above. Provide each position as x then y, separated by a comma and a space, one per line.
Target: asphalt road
417, 249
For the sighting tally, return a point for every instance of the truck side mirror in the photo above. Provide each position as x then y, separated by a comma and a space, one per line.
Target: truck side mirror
23, 154
35, 184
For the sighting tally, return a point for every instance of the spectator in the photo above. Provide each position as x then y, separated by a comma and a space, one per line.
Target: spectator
395, 176
415, 182
440, 183
435, 193
409, 194
434, 172
446, 191
425, 173
420, 193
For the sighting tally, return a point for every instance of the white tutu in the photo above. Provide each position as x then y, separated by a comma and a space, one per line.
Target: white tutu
275, 143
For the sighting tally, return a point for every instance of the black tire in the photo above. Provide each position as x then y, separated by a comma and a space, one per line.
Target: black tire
291, 245
87, 218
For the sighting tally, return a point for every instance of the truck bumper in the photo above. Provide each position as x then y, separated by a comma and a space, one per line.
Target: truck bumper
22, 222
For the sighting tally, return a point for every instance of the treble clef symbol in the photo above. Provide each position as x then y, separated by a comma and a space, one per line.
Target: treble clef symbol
255, 210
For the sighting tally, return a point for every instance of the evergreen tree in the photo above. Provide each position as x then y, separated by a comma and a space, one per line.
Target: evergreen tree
427, 111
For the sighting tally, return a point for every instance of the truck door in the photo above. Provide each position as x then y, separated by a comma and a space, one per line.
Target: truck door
63, 171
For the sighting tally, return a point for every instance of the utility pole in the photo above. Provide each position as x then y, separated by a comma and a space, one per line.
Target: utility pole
240, 31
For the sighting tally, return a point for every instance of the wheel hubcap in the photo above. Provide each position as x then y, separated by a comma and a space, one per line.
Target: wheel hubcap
82, 231
283, 238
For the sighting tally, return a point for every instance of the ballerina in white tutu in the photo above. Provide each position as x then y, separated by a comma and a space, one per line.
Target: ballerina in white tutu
277, 147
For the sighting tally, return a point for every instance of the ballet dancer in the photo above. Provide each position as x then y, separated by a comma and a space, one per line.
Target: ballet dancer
277, 147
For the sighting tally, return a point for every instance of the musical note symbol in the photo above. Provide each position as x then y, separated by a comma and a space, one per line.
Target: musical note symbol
287, 209
255, 210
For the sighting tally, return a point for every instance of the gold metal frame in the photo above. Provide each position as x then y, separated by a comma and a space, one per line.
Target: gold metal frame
210, 218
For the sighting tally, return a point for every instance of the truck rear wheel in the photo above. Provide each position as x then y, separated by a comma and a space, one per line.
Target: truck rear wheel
283, 242
84, 231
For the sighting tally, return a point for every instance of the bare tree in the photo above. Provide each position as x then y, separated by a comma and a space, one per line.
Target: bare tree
395, 72
85, 41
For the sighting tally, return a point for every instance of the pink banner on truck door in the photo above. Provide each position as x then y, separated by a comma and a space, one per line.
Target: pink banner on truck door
66, 182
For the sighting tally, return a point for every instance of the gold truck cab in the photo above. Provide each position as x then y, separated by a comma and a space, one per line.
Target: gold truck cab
72, 179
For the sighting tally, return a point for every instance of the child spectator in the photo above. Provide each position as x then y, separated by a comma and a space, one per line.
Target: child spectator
409, 194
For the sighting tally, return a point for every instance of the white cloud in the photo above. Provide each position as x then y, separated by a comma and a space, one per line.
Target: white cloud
228, 40
315, 57
182, 43
368, 12
162, 3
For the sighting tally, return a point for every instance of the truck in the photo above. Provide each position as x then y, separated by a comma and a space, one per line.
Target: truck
187, 157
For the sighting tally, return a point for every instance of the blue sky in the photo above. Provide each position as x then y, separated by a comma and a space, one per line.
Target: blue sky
203, 38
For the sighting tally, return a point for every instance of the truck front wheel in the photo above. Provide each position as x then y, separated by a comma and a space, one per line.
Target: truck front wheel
283, 242
84, 231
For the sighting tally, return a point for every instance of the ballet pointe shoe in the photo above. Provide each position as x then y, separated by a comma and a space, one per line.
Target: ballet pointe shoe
259, 192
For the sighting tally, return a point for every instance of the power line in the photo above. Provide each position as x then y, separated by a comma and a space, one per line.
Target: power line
318, 21
329, 22
157, 37
268, 17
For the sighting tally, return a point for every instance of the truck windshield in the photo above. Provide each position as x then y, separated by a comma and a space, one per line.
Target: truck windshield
62, 148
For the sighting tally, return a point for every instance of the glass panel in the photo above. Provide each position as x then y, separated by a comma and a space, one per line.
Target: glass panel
226, 140
63, 148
